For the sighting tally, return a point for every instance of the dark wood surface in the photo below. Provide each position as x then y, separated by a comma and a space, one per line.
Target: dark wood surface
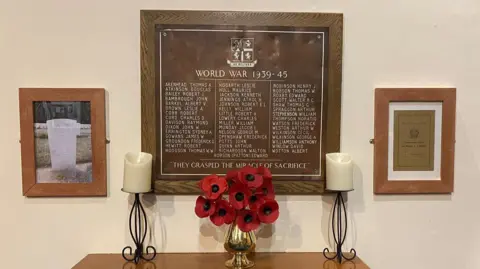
98, 186
383, 98
150, 98
217, 260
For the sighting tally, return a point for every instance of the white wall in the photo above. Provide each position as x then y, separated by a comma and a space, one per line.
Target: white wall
91, 43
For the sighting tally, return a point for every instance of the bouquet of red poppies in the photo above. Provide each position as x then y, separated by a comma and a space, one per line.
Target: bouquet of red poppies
245, 196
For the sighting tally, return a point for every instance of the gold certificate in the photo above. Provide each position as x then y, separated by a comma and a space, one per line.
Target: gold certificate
413, 140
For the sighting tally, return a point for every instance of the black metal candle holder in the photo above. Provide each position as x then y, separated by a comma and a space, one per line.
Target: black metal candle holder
138, 221
340, 233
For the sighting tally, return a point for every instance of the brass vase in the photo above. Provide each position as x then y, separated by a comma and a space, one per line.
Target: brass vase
239, 244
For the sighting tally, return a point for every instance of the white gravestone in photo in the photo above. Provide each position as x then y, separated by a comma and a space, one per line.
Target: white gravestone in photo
62, 140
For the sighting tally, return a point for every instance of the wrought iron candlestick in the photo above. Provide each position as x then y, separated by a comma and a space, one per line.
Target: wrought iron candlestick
339, 232
138, 230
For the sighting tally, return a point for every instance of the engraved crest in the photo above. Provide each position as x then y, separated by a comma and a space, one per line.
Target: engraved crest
242, 53
414, 133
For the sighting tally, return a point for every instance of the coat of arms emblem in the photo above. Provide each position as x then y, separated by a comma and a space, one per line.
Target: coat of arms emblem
414, 133
242, 52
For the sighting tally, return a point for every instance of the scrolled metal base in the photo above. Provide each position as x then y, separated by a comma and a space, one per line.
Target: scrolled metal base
138, 219
339, 234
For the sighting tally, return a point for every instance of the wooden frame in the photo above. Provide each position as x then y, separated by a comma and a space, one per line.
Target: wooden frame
150, 91
383, 98
96, 183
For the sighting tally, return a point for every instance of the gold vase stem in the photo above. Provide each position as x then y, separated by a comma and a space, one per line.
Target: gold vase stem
239, 244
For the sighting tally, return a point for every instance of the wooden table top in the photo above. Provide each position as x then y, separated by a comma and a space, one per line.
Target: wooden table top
216, 261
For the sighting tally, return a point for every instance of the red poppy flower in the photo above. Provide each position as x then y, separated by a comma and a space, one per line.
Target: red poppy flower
266, 190
265, 172
239, 196
232, 175
213, 186
268, 212
204, 207
224, 213
256, 201
247, 220
250, 177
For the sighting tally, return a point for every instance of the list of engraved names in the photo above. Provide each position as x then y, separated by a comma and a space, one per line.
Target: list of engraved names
227, 124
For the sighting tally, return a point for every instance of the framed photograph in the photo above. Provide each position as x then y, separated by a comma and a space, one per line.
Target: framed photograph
222, 90
414, 140
63, 142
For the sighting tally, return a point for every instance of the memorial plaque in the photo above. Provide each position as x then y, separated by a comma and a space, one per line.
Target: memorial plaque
218, 96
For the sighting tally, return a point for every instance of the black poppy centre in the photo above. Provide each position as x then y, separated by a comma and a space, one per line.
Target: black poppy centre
253, 199
222, 212
250, 177
206, 206
248, 218
215, 188
267, 211
239, 196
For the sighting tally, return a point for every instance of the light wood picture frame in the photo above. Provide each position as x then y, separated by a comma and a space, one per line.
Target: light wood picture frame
157, 25
63, 142
414, 143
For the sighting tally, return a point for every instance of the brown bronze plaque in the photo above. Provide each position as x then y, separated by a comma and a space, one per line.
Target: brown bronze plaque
232, 97
227, 96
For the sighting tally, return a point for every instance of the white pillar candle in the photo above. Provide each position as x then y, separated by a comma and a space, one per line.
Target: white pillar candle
137, 172
339, 172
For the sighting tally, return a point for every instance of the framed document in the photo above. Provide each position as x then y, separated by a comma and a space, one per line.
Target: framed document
221, 90
414, 140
